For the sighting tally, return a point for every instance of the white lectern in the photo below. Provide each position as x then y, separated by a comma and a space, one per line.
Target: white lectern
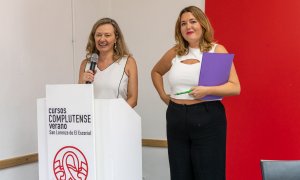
81, 138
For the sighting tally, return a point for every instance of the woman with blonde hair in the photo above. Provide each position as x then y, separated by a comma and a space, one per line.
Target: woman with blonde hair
196, 129
115, 74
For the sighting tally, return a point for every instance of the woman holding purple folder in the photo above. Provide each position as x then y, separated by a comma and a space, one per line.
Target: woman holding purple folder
196, 129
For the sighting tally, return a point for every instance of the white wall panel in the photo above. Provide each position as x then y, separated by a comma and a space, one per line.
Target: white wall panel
29, 171
36, 49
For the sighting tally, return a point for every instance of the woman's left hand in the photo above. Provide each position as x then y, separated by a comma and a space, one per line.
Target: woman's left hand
199, 92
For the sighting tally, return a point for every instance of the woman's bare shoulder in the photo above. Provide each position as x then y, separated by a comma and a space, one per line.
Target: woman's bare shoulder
220, 49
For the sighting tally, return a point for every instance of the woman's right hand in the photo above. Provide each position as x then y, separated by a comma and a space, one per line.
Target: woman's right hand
88, 76
166, 98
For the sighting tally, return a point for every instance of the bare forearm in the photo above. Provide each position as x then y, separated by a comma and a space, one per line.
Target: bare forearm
132, 102
158, 83
228, 89
159, 86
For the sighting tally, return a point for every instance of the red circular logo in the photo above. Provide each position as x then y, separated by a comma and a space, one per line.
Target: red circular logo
70, 164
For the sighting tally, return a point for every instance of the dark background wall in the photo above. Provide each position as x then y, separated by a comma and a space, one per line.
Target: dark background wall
263, 122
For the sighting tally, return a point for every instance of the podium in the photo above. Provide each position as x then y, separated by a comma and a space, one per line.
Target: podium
82, 138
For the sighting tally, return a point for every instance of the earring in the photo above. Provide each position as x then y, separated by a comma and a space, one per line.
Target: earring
115, 46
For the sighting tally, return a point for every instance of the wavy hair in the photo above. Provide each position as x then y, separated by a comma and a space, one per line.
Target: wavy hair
120, 49
207, 38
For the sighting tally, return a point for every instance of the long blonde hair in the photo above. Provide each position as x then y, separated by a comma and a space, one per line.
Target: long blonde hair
120, 48
207, 38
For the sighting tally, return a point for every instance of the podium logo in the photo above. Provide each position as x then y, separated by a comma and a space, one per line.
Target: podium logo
70, 164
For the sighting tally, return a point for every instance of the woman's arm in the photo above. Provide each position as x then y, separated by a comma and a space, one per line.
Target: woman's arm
231, 88
161, 68
132, 88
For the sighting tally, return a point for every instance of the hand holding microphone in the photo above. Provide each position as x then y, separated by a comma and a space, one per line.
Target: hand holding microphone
90, 73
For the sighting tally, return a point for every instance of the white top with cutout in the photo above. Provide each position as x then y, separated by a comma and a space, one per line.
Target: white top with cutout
182, 77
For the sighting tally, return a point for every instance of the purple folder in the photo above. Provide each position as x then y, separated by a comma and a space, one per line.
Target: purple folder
215, 69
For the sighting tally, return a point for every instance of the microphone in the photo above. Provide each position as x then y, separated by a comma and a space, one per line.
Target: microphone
93, 60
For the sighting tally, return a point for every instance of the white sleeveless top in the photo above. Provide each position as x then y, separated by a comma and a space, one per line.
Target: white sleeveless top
111, 83
182, 77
